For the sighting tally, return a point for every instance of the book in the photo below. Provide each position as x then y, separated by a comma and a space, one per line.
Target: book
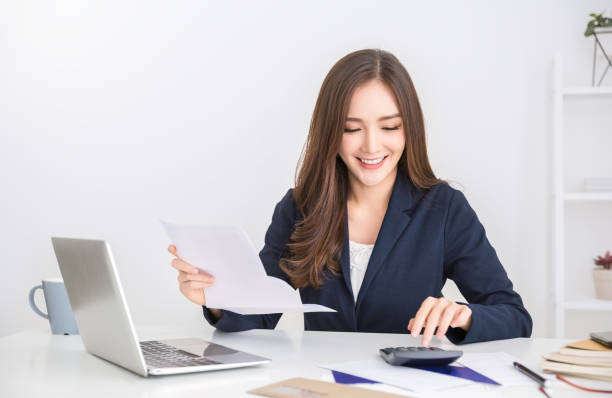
579, 359
590, 345
590, 372
586, 353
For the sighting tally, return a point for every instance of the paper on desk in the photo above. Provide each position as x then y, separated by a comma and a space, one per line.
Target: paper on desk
241, 283
495, 365
412, 379
499, 367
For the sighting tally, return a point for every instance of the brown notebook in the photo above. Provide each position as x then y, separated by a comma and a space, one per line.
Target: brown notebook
590, 345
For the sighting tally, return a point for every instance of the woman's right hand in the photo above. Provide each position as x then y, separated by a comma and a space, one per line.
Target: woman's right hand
192, 281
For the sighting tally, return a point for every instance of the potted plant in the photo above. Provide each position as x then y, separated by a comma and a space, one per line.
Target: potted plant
597, 21
596, 26
602, 276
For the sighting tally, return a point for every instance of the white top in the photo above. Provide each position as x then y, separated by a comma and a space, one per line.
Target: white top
360, 256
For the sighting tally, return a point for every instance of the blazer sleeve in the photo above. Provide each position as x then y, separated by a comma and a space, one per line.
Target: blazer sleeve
277, 235
471, 261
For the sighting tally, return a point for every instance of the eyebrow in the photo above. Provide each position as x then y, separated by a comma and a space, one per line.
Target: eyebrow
356, 119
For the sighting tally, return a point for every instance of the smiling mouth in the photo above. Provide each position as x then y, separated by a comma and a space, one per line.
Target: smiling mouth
372, 161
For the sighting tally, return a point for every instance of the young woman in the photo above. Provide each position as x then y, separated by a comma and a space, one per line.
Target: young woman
370, 231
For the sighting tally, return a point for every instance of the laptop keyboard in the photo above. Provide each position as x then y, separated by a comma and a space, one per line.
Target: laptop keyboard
160, 355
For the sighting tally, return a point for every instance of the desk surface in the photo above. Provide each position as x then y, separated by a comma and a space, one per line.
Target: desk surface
36, 363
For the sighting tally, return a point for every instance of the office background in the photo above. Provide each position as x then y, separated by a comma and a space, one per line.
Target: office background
115, 114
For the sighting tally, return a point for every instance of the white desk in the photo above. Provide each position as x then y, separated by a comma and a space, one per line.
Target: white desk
35, 363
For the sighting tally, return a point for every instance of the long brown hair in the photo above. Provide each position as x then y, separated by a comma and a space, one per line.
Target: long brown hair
321, 185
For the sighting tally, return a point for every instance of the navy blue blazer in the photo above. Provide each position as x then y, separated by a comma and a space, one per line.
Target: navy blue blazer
426, 237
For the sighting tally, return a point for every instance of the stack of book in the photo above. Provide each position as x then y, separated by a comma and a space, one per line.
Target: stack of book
585, 358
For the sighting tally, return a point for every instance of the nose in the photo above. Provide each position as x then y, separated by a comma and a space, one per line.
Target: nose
371, 142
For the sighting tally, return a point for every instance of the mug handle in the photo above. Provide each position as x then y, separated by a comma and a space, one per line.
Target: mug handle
33, 304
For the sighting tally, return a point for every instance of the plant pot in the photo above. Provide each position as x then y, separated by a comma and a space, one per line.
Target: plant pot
603, 283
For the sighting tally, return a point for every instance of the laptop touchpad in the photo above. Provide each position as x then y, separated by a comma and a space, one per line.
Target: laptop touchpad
211, 351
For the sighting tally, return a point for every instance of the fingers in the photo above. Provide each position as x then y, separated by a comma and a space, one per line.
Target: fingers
192, 281
187, 285
192, 285
183, 266
447, 316
421, 316
184, 276
439, 313
194, 292
463, 317
432, 320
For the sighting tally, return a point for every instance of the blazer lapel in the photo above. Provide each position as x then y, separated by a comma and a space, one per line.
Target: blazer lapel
345, 256
394, 223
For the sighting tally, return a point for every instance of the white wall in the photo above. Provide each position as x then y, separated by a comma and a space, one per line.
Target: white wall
114, 114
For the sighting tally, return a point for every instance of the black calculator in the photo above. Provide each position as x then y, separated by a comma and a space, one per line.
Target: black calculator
419, 356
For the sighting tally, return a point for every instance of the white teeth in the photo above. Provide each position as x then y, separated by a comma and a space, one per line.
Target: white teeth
375, 161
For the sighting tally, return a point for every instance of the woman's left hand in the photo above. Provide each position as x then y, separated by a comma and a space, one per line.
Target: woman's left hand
441, 313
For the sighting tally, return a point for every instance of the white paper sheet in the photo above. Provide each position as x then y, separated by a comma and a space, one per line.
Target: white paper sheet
241, 283
498, 366
495, 365
412, 379
328, 377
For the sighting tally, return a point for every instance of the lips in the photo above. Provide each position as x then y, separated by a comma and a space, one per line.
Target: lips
373, 166
383, 158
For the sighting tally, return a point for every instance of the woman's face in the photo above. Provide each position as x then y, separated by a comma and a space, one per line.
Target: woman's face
373, 131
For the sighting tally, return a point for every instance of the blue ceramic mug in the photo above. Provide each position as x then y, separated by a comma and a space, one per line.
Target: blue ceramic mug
59, 310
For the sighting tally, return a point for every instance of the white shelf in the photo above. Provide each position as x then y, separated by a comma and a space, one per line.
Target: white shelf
565, 301
588, 304
582, 91
587, 196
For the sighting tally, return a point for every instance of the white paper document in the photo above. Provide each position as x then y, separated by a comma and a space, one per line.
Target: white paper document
499, 367
494, 365
241, 283
412, 379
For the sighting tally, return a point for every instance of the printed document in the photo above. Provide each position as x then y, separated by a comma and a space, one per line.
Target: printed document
241, 283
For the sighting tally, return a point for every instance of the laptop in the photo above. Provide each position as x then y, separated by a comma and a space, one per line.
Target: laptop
106, 327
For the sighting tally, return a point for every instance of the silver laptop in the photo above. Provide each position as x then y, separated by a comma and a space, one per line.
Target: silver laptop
106, 327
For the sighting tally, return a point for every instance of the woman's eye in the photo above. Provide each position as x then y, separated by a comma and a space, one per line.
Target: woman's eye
384, 128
